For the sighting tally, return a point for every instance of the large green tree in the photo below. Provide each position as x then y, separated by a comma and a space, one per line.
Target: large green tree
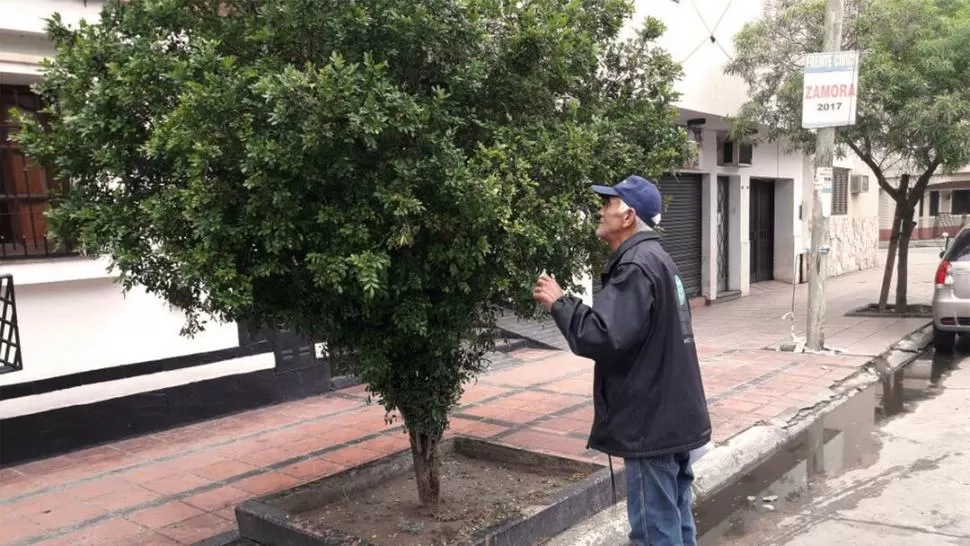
382, 174
913, 95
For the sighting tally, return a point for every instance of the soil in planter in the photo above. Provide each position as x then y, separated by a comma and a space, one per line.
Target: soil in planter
476, 496
912, 311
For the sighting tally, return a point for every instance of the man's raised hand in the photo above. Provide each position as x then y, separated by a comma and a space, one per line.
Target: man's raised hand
546, 291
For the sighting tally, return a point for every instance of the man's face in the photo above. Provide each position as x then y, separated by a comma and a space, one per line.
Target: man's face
614, 222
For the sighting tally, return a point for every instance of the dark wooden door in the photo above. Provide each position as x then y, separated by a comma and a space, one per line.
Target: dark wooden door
762, 230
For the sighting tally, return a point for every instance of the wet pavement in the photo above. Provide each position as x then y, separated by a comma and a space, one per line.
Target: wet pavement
877, 479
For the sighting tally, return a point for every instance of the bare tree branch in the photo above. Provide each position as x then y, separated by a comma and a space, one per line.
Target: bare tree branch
876, 169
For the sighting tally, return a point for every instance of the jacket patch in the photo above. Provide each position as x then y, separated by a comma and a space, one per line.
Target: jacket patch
681, 293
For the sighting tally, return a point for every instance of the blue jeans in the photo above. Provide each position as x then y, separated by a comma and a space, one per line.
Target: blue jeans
658, 501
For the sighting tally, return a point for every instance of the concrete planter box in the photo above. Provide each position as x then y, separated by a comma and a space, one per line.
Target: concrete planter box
278, 520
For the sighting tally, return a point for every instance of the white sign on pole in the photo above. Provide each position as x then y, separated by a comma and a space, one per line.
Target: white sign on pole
829, 91
823, 181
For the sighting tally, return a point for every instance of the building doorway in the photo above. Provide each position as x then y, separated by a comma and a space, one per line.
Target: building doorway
762, 230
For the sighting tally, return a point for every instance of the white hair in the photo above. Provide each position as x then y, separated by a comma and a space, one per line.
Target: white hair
641, 225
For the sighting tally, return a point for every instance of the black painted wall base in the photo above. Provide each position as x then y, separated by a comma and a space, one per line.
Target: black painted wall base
56, 431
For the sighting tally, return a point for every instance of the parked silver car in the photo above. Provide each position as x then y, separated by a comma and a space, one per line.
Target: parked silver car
951, 296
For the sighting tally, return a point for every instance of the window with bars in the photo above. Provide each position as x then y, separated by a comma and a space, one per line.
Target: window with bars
26, 191
840, 191
960, 202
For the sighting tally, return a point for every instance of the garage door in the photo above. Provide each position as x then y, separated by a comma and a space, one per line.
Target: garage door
682, 227
682, 230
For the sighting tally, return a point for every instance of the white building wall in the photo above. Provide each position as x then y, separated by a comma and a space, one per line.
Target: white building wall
74, 318
56, 319
23, 42
29, 16
690, 25
854, 237
887, 209
769, 161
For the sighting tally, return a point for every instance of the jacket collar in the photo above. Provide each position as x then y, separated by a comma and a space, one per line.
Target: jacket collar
633, 241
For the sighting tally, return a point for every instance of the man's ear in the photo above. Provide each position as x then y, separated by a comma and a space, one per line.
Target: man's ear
630, 219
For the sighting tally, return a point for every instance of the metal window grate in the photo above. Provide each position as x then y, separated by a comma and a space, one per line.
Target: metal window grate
723, 213
26, 191
10, 356
840, 191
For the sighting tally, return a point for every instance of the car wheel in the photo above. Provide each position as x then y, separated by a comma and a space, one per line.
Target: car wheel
943, 341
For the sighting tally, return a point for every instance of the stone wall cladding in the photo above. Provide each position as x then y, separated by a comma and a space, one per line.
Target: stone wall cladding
855, 244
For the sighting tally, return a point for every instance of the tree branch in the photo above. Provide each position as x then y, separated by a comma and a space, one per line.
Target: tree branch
866, 157
922, 182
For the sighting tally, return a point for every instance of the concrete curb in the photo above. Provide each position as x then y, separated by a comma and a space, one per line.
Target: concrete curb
745, 451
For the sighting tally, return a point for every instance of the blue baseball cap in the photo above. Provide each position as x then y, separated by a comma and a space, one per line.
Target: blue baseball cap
639, 193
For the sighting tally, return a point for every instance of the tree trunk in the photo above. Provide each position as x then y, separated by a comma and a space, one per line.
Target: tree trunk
427, 466
901, 197
902, 273
887, 276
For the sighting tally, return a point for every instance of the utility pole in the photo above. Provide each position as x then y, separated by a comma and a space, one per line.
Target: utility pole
824, 151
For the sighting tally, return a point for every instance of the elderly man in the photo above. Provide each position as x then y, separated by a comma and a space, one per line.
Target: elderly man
648, 398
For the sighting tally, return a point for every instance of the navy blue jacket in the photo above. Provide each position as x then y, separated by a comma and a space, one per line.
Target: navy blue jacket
648, 396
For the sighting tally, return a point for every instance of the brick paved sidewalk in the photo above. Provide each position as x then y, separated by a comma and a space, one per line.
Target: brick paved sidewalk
180, 486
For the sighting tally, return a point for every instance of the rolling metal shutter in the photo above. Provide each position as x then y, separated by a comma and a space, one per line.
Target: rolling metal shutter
681, 223
682, 226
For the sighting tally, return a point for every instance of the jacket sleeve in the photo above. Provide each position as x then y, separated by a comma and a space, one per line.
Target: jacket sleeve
617, 321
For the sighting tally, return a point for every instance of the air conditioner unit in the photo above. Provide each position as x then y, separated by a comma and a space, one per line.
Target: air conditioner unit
733, 154
859, 183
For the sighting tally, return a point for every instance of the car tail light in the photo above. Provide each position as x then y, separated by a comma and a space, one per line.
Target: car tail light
942, 272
